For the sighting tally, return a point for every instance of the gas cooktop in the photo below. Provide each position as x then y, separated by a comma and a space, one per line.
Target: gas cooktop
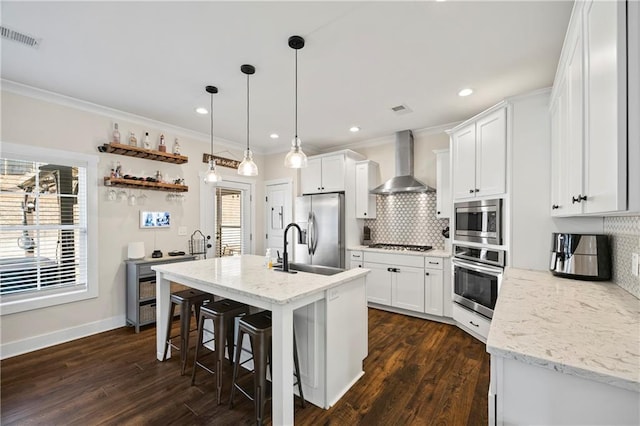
400, 247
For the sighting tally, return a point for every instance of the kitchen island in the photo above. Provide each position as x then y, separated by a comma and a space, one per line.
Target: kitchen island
564, 352
335, 305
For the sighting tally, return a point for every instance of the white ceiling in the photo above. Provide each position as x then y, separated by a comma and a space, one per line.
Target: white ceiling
154, 59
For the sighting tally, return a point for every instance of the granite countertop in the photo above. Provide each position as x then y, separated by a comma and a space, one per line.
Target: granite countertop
430, 253
248, 276
583, 328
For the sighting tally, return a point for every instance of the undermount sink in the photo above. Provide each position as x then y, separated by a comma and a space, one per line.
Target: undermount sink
312, 269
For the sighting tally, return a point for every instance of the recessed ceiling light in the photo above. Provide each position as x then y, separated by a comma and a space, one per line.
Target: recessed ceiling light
465, 92
354, 129
274, 136
201, 110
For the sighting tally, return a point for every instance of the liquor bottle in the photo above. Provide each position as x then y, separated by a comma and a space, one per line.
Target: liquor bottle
176, 147
162, 147
116, 133
132, 139
146, 141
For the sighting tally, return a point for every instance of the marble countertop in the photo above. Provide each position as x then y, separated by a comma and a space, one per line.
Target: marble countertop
248, 276
583, 328
430, 253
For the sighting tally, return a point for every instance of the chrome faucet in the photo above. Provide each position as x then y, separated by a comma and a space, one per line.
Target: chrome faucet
285, 255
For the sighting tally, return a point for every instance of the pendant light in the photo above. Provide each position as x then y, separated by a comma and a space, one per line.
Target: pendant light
296, 159
212, 175
247, 167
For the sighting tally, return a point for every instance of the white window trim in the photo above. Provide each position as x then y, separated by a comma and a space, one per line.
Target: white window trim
11, 304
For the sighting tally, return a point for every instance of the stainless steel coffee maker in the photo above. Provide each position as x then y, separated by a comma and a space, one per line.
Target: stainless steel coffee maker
581, 256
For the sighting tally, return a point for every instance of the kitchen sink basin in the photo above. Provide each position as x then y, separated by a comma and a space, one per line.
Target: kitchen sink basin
312, 269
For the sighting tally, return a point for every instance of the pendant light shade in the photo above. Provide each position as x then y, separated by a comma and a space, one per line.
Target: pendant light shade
212, 176
296, 158
248, 167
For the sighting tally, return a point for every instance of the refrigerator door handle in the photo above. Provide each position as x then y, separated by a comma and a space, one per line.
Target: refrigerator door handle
309, 235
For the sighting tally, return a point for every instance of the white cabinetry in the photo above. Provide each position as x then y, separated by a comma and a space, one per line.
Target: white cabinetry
479, 152
378, 283
323, 174
355, 259
443, 184
395, 280
589, 115
407, 288
366, 179
433, 286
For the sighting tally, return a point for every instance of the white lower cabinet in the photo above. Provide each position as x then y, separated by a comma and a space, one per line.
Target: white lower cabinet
378, 283
407, 288
355, 259
433, 291
471, 322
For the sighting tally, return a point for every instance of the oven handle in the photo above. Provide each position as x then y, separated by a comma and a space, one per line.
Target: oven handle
478, 267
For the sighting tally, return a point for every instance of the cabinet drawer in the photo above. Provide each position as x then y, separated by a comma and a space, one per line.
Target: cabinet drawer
147, 289
145, 271
147, 313
433, 262
394, 259
356, 256
471, 321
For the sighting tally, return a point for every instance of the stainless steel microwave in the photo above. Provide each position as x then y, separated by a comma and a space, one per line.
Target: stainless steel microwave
478, 221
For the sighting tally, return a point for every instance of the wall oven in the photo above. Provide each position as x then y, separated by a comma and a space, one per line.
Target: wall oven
477, 275
479, 221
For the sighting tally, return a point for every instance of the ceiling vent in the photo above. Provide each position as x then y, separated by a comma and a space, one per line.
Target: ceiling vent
22, 38
401, 109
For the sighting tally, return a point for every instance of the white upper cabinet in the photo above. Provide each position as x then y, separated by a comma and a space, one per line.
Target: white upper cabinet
366, 180
589, 153
323, 174
479, 157
443, 184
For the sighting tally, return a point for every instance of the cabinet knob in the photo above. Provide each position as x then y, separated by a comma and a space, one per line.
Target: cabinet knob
477, 190
365, 213
554, 207
426, 273
319, 188
438, 212
323, 188
471, 191
579, 199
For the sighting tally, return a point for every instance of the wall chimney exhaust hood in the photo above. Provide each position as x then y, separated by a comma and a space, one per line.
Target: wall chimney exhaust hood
403, 180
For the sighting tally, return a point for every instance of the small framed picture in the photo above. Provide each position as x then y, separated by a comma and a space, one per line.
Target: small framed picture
152, 220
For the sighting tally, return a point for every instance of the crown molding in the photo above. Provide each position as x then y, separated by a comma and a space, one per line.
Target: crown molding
82, 105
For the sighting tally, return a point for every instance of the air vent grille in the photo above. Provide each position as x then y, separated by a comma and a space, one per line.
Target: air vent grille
401, 109
27, 40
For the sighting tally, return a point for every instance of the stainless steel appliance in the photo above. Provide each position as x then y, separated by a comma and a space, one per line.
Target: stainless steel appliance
322, 217
479, 221
477, 275
400, 247
581, 256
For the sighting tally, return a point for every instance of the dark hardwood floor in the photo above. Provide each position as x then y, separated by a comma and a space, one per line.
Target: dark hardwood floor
417, 373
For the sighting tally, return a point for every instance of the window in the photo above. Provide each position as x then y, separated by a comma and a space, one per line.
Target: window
47, 218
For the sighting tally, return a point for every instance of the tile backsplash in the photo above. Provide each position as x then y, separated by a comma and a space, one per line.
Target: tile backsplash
407, 218
624, 235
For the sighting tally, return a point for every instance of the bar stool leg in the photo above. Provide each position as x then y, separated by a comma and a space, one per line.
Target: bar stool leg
219, 328
198, 344
235, 367
296, 364
260, 377
172, 311
185, 324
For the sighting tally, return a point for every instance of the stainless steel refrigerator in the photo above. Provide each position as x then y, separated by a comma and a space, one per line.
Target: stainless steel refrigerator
322, 217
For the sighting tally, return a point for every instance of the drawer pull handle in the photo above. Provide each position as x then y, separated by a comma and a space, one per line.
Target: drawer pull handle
434, 263
355, 255
473, 324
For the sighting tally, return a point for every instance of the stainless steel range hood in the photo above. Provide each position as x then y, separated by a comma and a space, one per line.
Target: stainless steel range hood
403, 180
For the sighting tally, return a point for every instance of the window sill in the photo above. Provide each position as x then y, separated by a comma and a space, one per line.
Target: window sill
12, 304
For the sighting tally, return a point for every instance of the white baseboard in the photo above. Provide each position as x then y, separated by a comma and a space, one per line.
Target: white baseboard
19, 347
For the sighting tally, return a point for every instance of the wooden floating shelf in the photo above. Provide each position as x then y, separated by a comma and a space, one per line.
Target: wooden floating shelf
149, 154
143, 184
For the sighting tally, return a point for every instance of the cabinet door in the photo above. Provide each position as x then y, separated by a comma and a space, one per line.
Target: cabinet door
407, 288
378, 284
333, 173
491, 154
433, 291
355, 264
443, 185
464, 162
605, 107
558, 144
311, 177
365, 202
575, 123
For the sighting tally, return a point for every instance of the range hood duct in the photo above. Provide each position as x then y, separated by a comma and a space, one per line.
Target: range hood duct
403, 180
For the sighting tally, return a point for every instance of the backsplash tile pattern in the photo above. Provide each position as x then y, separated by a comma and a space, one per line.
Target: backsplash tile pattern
407, 218
624, 233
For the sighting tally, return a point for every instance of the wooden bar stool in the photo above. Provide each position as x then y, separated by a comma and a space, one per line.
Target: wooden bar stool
258, 328
188, 300
223, 314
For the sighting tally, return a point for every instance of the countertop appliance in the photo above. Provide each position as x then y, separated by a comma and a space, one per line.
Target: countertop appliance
477, 275
321, 216
478, 221
400, 247
580, 256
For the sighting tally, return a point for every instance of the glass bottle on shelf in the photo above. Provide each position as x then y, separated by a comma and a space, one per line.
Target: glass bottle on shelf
176, 147
116, 133
146, 141
132, 139
161, 146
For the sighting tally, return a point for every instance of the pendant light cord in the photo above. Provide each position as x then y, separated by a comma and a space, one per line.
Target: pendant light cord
296, 97
211, 115
247, 112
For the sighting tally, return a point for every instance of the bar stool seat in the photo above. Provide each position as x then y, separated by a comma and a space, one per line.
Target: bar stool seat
258, 328
188, 300
223, 314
